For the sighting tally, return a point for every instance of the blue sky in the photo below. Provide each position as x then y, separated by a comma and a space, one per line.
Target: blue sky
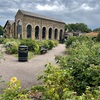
69, 11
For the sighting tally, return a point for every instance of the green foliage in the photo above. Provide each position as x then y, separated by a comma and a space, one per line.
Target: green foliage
78, 77
29, 43
1, 30
72, 39
98, 37
49, 44
55, 84
44, 43
1, 54
12, 47
6, 40
82, 55
96, 30
2, 40
34, 45
78, 27
14, 92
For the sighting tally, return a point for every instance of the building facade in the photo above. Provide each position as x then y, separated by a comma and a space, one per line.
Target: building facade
9, 28
34, 26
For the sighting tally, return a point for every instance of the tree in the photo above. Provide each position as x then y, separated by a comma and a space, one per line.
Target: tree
98, 37
1, 30
78, 27
96, 30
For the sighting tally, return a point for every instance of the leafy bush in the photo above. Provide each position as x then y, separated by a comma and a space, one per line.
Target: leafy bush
8, 40
29, 43
44, 43
33, 45
72, 39
2, 40
49, 44
52, 89
80, 68
13, 91
55, 84
12, 47
81, 56
55, 42
98, 37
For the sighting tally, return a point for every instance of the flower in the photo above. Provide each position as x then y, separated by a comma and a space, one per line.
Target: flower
13, 79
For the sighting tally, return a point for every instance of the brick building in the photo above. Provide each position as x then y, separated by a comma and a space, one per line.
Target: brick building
31, 25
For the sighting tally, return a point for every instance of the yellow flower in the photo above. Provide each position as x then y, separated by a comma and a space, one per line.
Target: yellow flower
13, 79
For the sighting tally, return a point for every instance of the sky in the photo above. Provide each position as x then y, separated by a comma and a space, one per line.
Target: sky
68, 11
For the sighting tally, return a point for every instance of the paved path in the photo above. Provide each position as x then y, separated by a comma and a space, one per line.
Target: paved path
28, 72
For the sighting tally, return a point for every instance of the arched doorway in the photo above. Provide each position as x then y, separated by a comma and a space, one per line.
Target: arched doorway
55, 34
29, 31
60, 35
43, 33
37, 32
19, 29
50, 33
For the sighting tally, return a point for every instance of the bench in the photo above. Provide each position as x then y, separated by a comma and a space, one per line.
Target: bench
43, 50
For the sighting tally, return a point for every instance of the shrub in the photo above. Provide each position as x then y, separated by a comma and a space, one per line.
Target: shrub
2, 40
45, 44
33, 45
12, 47
29, 43
81, 56
55, 43
98, 37
55, 84
49, 44
72, 39
8, 40
13, 91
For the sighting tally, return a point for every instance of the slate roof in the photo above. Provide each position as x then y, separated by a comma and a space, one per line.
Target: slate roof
10, 22
40, 16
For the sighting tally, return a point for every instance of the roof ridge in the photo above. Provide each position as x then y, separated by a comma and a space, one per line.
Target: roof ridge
39, 16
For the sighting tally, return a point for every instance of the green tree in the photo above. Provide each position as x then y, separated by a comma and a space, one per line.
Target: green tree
96, 30
1, 30
78, 27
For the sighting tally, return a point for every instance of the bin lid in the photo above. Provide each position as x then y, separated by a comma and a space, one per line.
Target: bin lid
23, 46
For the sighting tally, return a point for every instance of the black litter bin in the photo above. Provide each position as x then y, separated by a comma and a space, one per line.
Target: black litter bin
23, 53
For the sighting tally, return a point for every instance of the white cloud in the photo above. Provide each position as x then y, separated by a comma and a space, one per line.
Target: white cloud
87, 7
13, 10
49, 7
46, 7
86, 11
17, 0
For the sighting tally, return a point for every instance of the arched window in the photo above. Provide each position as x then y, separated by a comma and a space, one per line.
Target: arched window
37, 32
55, 34
19, 29
43, 33
29, 31
50, 33
60, 35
